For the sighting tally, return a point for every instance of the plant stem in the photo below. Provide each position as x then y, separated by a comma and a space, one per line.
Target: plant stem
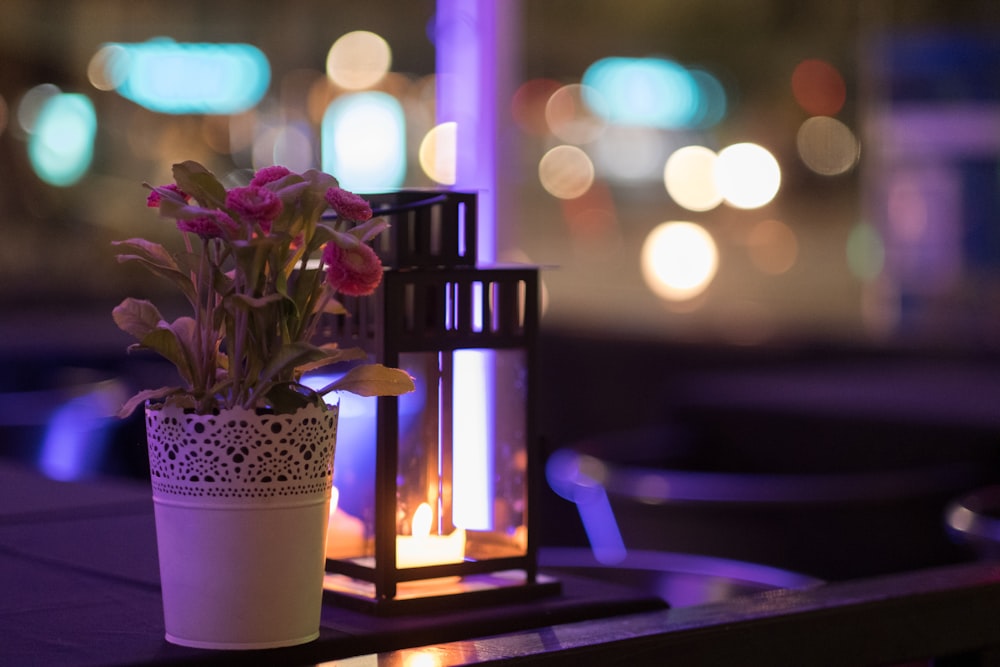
203, 325
316, 312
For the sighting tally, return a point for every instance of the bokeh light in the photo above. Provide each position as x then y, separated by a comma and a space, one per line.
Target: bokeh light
909, 206
818, 87
592, 220
827, 146
215, 133
438, 153
242, 130
689, 176
773, 246
61, 145
679, 260
747, 175
528, 104
31, 104
571, 119
654, 92
184, 78
288, 144
566, 172
712, 102
107, 68
358, 60
364, 142
630, 153
865, 252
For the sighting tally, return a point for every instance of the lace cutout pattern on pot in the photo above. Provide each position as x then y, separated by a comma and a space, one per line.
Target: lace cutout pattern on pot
240, 453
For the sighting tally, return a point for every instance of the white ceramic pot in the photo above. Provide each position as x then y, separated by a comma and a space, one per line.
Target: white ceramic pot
241, 501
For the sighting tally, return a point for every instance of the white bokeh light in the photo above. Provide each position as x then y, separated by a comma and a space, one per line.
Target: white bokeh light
689, 177
571, 119
438, 154
566, 172
358, 60
32, 103
679, 260
827, 146
289, 145
747, 175
630, 154
363, 141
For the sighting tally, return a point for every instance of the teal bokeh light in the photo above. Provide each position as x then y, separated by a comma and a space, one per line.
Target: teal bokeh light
712, 101
61, 144
179, 78
364, 142
653, 92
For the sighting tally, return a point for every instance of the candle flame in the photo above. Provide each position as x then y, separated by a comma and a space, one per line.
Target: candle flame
421, 525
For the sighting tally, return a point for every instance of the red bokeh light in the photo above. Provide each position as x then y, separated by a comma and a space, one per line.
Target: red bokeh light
818, 87
528, 105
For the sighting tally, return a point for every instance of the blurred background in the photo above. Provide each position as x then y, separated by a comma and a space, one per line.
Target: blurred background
768, 226
834, 164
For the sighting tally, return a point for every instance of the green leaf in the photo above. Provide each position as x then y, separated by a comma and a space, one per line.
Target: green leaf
345, 240
176, 343
289, 187
200, 183
154, 252
255, 302
320, 180
288, 358
304, 289
136, 317
373, 380
369, 229
322, 235
158, 261
166, 194
146, 395
313, 200
287, 398
333, 355
251, 258
334, 307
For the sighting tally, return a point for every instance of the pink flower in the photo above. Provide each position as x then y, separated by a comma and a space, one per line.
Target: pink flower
354, 271
269, 175
348, 205
211, 225
154, 198
255, 204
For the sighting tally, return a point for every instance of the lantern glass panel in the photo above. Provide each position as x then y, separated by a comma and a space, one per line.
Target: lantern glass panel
461, 483
352, 514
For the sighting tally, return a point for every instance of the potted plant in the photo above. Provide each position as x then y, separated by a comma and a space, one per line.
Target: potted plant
241, 451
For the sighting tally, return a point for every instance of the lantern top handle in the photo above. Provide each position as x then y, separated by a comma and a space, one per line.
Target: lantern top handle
429, 229
401, 208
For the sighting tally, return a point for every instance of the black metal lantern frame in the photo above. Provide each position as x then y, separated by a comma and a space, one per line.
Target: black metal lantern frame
461, 452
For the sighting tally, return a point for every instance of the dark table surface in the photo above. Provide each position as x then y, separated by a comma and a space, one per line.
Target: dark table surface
79, 586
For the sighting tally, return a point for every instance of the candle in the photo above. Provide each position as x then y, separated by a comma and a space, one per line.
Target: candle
345, 534
421, 548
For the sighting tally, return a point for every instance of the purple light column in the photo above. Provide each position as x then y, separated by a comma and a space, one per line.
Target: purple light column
469, 36
473, 48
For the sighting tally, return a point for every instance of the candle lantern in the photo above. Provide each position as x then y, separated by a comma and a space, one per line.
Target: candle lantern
438, 509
